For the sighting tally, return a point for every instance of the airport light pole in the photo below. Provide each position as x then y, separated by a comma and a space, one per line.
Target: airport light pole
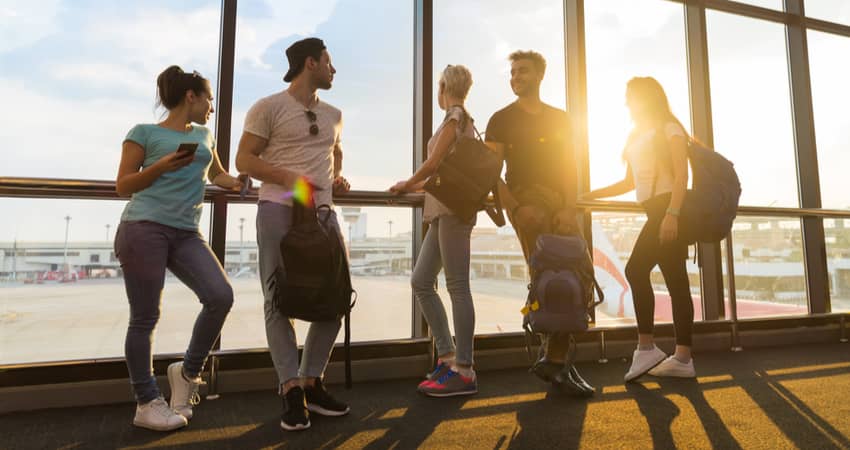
390, 222
241, 241
15, 259
65, 252
107, 232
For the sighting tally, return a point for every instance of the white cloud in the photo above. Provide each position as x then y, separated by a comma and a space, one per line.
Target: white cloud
101, 74
48, 136
255, 34
132, 50
24, 22
155, 38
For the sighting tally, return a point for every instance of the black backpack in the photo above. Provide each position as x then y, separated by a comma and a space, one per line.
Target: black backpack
467, 176
711, 205
315, 285
560, 296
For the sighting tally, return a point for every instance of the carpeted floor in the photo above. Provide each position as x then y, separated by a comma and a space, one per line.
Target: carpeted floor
761, 398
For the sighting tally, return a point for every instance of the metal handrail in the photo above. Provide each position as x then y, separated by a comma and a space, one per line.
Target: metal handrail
98, 189
91, 189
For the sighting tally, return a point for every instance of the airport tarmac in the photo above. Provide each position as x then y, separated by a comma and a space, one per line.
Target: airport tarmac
87, 319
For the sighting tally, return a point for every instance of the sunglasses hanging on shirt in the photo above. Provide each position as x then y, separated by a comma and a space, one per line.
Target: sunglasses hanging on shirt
314, 129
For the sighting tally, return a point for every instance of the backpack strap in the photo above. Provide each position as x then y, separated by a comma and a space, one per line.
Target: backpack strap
496, 213
347, 344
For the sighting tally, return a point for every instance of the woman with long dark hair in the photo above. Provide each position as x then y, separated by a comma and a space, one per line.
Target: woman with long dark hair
656, 155
159, 231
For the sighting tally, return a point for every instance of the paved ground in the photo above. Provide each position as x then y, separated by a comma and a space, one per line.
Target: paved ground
788, 397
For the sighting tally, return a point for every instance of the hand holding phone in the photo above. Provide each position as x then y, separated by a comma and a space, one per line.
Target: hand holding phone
187, 149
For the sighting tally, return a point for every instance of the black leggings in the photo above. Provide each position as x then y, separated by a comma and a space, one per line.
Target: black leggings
671, 258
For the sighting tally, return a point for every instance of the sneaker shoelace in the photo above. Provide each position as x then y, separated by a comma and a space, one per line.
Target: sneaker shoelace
437, 369
194, 396
443, 379
160, 406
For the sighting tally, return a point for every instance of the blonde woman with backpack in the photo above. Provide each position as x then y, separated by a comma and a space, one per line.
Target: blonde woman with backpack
656, 155
446, 245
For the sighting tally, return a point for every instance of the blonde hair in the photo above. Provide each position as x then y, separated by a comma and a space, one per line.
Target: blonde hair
650, 92
456, 81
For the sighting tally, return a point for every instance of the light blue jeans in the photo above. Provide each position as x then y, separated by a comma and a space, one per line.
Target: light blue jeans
273, 222
446, 245
145, 249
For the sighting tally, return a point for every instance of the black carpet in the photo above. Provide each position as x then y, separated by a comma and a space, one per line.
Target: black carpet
761, 398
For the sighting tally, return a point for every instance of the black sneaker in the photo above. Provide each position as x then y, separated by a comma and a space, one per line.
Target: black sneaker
295, 416
571, 383
319, 401
546, 370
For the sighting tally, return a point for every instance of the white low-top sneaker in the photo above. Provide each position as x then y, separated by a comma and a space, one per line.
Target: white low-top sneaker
157, 415
643, 361
672, 367
184, 393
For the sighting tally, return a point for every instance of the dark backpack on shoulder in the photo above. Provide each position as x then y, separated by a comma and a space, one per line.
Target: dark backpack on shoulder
467, 176
711, 205
314, 283
561, 294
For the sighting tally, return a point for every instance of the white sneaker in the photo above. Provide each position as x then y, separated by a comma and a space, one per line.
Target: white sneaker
672, 367
643, 361
157, 415
184, 393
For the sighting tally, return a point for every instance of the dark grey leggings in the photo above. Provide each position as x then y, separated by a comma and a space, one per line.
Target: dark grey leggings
671, 258
145, 249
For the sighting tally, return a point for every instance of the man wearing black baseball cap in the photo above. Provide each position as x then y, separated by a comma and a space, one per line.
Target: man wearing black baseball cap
288, 136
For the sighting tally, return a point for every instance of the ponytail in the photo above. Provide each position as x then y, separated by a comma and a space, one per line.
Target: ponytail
172, 84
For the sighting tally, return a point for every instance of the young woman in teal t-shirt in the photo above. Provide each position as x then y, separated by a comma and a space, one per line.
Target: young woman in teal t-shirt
159, 231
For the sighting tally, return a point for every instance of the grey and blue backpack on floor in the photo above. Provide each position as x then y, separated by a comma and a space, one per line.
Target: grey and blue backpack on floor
561, 293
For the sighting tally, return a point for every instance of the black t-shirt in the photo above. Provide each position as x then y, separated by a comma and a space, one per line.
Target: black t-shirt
538, 148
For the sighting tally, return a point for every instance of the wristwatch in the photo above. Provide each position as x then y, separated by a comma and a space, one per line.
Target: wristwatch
673, 212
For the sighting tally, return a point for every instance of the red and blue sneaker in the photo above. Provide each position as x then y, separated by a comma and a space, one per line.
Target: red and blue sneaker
438, 371
450, 384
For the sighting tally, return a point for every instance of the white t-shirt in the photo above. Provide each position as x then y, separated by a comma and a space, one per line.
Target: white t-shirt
284, 122
640, 153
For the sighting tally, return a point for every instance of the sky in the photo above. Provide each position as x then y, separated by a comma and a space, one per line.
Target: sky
76, 76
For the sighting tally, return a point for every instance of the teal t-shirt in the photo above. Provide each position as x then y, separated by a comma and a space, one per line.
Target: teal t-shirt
176, 198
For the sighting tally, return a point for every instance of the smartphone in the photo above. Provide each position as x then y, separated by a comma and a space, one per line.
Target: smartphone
187, 149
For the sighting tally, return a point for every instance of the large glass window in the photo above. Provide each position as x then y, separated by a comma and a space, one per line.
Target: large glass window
626, 39
751, 106
837, 233
76, 79
770, 278
379, 241
372, 51
481, 34
829, 10
772, 4
69, 291
830, 97
614, 237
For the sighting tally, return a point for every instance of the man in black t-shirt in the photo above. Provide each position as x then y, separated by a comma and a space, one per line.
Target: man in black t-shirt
536, 142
